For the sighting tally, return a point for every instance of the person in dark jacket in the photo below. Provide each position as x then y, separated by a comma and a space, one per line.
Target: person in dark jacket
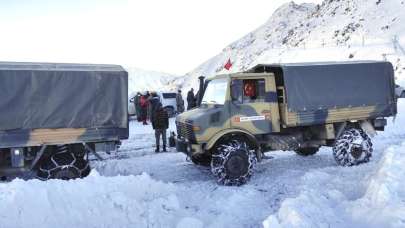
144, 109
160, 124
190, 99
153, 104
179, 102
137, 103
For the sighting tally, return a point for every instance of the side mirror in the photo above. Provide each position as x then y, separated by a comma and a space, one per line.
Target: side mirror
399, 91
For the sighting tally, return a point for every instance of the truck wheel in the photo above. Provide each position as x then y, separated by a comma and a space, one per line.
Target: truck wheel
64, 165
233, 162
352, 148
201, 159
307, 151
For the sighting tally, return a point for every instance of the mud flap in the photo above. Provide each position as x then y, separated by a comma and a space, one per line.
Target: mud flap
368, 128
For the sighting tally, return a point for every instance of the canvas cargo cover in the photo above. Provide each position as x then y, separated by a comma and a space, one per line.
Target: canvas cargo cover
314, 86
49, 96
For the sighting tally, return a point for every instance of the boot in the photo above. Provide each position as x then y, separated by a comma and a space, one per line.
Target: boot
164, 148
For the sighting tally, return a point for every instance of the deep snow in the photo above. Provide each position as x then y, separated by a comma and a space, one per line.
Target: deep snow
138, 188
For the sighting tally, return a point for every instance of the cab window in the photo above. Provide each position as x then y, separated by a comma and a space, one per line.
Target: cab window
249, 90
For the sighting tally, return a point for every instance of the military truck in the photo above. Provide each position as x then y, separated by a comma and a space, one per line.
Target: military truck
290, 107
53, 115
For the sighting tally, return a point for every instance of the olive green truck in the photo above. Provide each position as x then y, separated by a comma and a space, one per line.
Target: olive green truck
53, 115
290, 107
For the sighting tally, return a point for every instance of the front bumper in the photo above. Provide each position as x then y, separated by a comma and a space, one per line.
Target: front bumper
181, 145
186, 147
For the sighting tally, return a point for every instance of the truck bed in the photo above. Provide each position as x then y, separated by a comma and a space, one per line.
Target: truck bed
38, 137
303, 118
327, 92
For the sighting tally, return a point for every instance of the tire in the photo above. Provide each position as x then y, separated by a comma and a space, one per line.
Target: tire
233, 162
308, 151
201, 159
353, 147
64, 165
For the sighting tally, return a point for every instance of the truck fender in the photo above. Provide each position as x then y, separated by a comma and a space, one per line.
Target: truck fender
220, 134
368, 128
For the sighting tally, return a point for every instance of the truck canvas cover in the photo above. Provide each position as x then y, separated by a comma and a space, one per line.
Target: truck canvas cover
50, 96
321, 86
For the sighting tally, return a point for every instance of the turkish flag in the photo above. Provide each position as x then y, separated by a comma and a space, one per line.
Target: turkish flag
228, 64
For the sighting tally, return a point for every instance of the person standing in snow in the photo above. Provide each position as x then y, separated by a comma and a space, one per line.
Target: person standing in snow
179, 102
137, 104
153, 104
160, 124
190, 99
144, 108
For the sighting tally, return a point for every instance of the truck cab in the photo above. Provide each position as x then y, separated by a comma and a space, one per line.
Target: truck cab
296, 107
225, 106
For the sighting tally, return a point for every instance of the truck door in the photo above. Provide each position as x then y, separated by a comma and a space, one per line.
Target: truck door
254, 106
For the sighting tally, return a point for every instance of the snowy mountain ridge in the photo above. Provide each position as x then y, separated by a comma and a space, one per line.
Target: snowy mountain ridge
336, 30
140, 80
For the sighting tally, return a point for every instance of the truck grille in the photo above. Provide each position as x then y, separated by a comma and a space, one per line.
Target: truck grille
185, 130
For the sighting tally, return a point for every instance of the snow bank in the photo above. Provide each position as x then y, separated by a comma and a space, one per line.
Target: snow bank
377, 200
383, 204
96, 201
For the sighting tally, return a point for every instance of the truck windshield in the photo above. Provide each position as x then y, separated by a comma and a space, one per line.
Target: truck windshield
216, 91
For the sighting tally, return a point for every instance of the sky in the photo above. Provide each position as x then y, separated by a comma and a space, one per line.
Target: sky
170, 36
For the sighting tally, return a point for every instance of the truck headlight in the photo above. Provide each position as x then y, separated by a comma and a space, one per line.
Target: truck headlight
196, 128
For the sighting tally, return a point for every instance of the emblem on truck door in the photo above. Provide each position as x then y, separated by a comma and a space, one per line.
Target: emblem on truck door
251, 118
248, 118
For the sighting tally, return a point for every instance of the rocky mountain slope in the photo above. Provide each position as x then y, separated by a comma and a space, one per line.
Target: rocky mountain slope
336, 30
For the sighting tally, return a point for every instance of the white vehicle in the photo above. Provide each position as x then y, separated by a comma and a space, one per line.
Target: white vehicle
168, 100
399, 91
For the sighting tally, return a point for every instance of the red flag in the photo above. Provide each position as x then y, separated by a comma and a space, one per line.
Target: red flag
228, 64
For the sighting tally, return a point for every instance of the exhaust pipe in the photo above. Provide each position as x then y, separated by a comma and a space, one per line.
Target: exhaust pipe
200, 90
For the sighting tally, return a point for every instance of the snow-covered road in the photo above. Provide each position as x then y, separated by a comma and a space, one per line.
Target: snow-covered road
139, 188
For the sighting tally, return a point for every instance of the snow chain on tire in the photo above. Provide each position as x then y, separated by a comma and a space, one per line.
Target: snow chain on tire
233, 149
353, 147
64, 165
